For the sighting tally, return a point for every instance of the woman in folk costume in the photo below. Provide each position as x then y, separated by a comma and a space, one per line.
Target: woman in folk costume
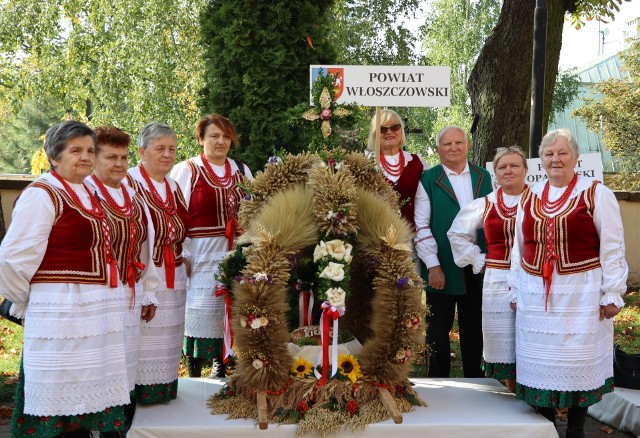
495, 214
568, 275
401, 168
131, 235
210, 184
57, 266
161, 339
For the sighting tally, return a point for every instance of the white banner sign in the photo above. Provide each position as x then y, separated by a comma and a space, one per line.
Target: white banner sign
589, 166
385, 85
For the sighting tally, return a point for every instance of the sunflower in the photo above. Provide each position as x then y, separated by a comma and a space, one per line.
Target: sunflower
301, 367
349, 367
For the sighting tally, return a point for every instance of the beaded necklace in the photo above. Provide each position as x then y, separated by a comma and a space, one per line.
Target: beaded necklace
169, 206
225, 180
96, 209
505, 211
392, 169
551, 207
126, 210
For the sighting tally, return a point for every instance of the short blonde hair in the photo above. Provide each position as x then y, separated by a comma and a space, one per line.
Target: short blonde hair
387, 116
501, 152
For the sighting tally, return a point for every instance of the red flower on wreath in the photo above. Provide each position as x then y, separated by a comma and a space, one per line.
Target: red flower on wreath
302, 406
352, 407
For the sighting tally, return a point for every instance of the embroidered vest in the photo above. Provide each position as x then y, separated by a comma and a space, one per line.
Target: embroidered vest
211, 206
499, 232
406, 187
444, 208
165, 234
122, 242
75, 250
576, 240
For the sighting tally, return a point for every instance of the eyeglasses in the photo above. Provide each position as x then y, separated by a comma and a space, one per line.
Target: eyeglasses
392, 128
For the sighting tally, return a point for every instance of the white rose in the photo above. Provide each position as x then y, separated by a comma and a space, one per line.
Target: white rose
330, 214
320, 251
336, 296
243, 322
256, 324
336, 249
257, 364
261, 276
264, 321
333, 271
347, 253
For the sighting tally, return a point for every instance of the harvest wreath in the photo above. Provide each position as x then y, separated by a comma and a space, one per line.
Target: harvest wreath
345, 214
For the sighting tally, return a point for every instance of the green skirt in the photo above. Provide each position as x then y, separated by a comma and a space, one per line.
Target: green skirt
546, 398
205, 348
24, 425
499, 371
156, 392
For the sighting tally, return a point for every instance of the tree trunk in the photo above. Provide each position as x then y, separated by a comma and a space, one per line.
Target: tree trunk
500, 82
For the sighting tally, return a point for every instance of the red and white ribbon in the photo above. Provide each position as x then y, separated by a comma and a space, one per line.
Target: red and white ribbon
227, 343
305, 306
329, 314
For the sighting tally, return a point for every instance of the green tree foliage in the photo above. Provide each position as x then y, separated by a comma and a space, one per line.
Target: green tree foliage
257, 57
21, 134
366, 32
453, 35
615, 115
124, 63
565, 91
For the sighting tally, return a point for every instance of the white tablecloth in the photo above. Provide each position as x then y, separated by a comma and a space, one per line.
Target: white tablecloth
456, 407
620, 409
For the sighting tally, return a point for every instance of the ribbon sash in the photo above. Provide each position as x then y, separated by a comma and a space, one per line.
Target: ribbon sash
227, 343
230, 232
329, 314
305, 306
169, 266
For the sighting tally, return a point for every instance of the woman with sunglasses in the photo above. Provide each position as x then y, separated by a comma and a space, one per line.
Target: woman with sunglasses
495, 215
401, 168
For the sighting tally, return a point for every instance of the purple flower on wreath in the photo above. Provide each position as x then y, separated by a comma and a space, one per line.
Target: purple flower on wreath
238, 278
274, 159
402, 282
325, 114
247, 197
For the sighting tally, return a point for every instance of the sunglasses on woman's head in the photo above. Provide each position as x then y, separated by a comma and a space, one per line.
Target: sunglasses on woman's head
394, 128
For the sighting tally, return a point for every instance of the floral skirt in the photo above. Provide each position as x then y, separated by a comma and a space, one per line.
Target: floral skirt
499, 371
546, 398
112, 419
156, 393
206, 348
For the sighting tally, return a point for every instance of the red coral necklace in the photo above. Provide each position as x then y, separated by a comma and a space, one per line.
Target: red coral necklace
225, 180
502, 207
169, 206
126, 209
392, 169
96, 209
551, 207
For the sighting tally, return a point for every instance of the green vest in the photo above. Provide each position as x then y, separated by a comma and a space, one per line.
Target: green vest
444, 208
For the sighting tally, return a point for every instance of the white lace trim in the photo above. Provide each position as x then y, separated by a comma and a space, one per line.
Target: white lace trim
612, 298
77, 398
499, 350
149, 298
18, 310
157, 371
557, 325
203, 325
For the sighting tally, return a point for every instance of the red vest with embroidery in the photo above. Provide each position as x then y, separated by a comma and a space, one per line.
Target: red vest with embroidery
165, 234
122, 241
576, 240
211, 206
498, 232
75, 250
406, 187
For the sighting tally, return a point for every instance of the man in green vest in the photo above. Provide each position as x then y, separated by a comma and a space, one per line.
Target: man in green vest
442, 192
